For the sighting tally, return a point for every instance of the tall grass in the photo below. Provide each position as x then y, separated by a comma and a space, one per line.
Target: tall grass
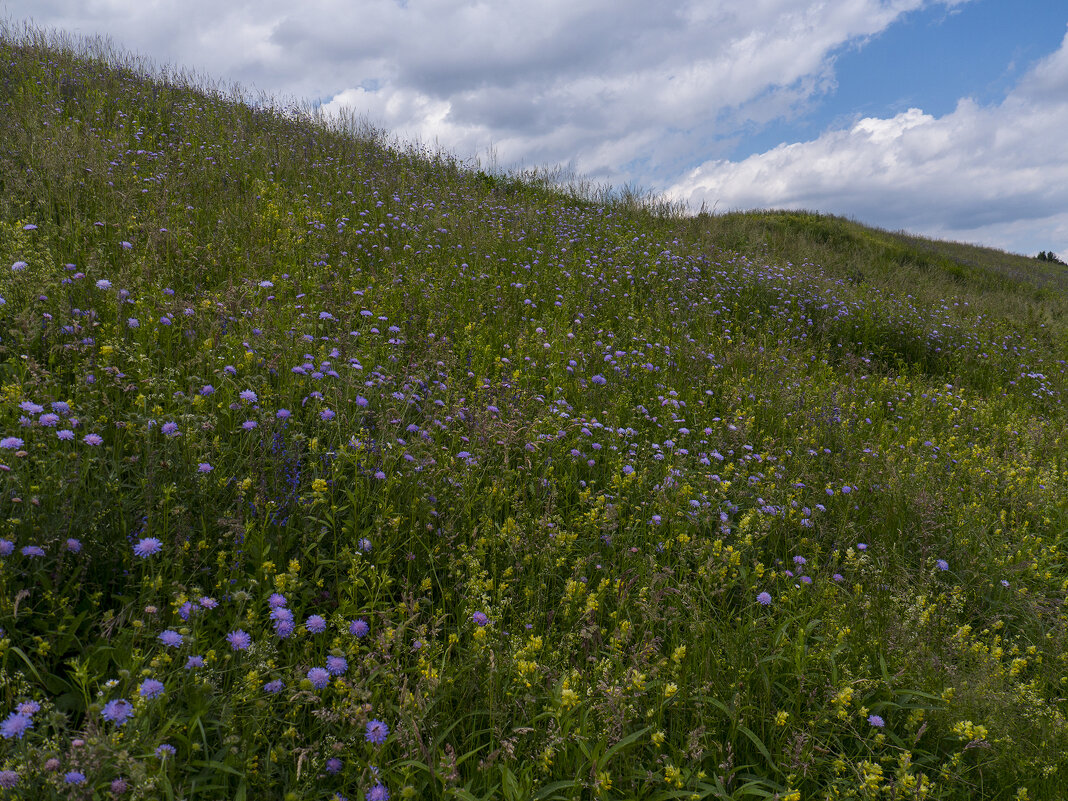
336, 468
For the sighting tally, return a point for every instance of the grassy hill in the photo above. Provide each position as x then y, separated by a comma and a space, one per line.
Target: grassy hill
337, 469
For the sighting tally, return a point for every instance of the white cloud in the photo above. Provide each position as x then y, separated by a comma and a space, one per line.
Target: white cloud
996, 174
595, 83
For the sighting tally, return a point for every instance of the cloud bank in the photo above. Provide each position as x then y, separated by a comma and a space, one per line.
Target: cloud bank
998, 173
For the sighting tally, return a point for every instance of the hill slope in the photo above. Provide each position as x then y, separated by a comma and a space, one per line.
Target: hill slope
331, 468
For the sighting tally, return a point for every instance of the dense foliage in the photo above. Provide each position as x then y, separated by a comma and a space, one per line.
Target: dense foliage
331, 468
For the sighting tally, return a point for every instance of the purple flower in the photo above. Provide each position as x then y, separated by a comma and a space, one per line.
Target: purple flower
150, 688
274, 686
319, 677
133, 322
118, 711
103, 283
92, 439
599, 379
315, 624
276, 600
204, 467
377, 793
799, 560
73, 545
361, 401
147, 547
239, 640
7, 547
480, 618
65, 434
207, 389
359, 627
333, 765
764, 598
195, 661
165, 750
337, 665
364, 545
11, 443
8, 779
876, 721
377, 732
208, 603
171, 638
74, 777
942, 564
33, 550
118, 786
170, 429
327, 414
282, 414
248, 425
15, 726
248, 396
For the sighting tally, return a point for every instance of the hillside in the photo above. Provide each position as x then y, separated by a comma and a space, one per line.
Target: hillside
334, 468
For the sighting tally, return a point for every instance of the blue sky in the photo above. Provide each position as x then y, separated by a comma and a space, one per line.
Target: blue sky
929, 59
941, 117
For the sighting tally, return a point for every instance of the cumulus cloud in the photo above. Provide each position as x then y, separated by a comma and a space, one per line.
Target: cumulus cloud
998, 173
620, 89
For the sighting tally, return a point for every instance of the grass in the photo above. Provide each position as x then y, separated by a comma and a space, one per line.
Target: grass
337, 468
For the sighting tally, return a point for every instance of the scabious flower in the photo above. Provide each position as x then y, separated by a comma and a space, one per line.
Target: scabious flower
942, 564
282, 414
7, 547
147, 547
333, 765
118, 711
9, 779
33, 550
319, 677
377, 732
15, 726
359, 627
764, 598
74, 777
337, 665
248, 396
204, 467
73, 545
92, 439
876, 721
103, 283
315, 624
11, 443
208, 603
170, 429
239, 640
118, 786
377, 793
274, 686
165, 750
65, 434
171, 638
150, 688
480, 618
195, 661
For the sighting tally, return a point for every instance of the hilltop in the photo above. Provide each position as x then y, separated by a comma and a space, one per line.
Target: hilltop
334, 468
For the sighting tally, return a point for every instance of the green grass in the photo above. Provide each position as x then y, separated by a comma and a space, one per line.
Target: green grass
554, 446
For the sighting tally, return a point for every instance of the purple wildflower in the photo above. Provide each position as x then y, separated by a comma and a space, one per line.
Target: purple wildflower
15, 726
147, 547
377, 732
171, 638
118, 711
92, 439
315, 624
150, 688
764, 598
319, 677
359, 627
239, 640
337, 665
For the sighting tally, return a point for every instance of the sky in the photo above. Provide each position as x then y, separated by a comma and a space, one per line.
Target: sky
946, 118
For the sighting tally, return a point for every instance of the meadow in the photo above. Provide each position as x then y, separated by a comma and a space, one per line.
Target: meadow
336, 468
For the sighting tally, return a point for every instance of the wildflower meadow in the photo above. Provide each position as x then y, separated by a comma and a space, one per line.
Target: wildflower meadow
336, 468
